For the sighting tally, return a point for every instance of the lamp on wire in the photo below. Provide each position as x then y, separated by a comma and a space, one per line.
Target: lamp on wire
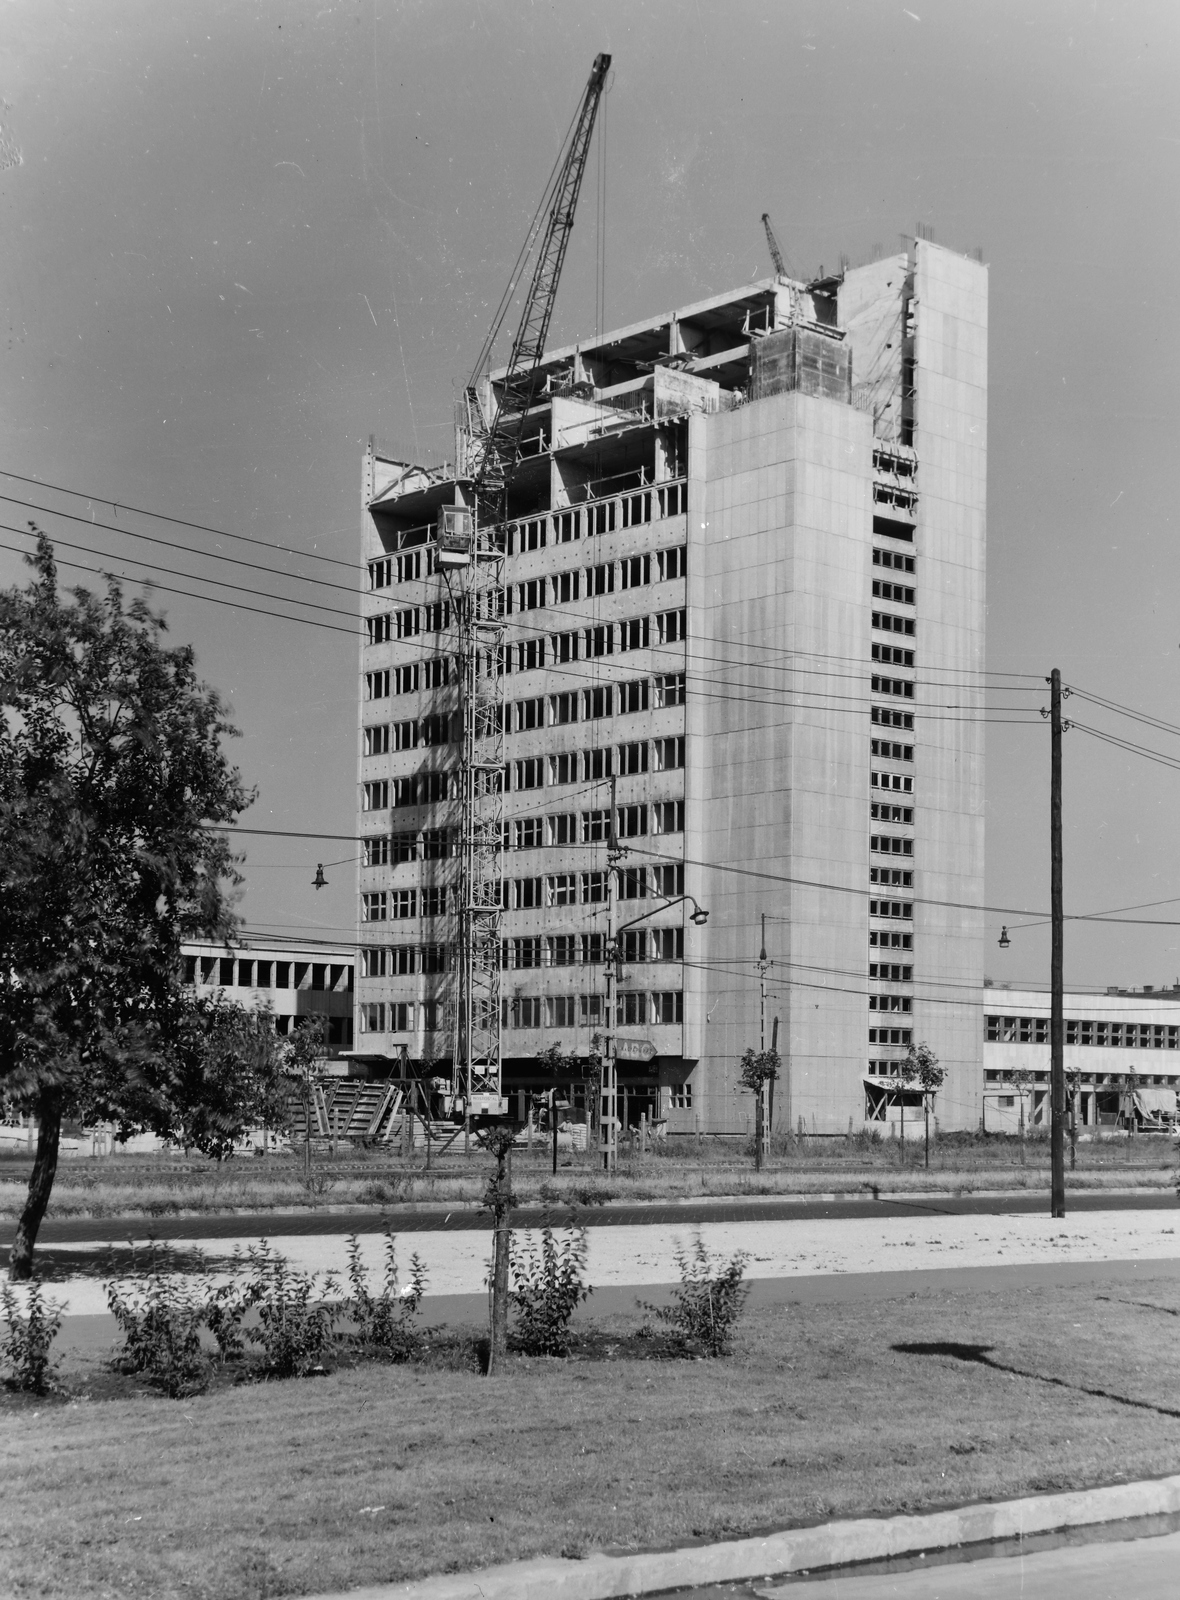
319, 881
1004, 939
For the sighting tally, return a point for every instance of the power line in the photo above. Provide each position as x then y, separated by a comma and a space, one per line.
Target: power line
179, 522
582, 672
581, 616
1126, 711
195, 577
210, 599
873, 892
170, 544
1128, 746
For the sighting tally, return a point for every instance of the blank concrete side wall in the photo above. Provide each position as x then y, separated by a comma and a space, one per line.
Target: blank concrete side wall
951, 439
780, 759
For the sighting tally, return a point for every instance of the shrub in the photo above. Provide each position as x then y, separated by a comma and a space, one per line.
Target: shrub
296, 1319
708, 1302
385, 1191
866, 1138
225, 1309
161, 1327
382, 1321
29, 1333
547, 1288
591, 1194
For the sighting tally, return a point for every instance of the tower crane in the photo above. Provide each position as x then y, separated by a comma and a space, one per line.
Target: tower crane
472, 540
776, 254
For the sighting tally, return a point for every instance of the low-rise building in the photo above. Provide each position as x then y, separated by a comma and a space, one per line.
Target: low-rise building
1122, 1056
293, 984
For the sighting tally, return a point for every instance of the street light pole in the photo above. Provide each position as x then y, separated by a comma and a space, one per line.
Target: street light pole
609, 1146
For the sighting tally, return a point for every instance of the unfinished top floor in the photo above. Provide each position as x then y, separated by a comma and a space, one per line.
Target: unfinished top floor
609, 414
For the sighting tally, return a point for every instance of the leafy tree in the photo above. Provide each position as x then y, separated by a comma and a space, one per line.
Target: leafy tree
225, 1072
304, 1052
499, 1199
921, 1067
111, 767
560, 1068
1073, 1090
1022, 1080
758, 1068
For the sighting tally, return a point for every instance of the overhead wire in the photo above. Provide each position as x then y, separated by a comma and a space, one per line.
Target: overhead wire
170, 544
179, 522
717, 648
210, 599
196, 577
577, 671
1127, 745
1126, 711
520, 626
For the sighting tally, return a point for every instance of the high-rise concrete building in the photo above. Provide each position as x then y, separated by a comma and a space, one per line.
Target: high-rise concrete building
743, 605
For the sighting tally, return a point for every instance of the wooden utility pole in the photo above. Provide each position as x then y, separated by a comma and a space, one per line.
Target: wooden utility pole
553, 1125
760, 1100
1057, 975
770, 1090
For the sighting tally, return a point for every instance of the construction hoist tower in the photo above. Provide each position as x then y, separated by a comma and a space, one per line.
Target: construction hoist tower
472, 545
474, 554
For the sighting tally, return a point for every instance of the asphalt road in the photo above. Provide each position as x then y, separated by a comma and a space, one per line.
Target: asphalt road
288, 1224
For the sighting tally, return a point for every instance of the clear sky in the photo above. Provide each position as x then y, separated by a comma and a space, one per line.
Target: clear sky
238, 238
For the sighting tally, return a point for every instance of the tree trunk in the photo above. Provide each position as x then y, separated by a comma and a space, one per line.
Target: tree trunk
502, 1246
758, 1128
1022, 1130
926, 1111
20, 1260
903, 1127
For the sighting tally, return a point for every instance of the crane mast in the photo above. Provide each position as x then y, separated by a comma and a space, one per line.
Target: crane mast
472, 539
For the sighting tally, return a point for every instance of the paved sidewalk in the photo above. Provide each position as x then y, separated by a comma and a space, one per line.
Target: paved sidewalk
637, 1256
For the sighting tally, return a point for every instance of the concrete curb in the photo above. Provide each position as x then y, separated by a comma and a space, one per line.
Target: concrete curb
601, 1577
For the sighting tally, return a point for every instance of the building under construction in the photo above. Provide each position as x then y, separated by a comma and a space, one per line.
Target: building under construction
731, 664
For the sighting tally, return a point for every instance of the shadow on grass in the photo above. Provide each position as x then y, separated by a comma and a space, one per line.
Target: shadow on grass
980, 1355
1144, 1305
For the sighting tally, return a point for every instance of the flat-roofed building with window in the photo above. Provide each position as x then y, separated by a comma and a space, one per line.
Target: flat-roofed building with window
294, 985
743, 610
1122, 1057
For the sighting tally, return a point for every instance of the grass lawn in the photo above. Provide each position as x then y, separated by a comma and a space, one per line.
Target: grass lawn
380, 1473
171, 1184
